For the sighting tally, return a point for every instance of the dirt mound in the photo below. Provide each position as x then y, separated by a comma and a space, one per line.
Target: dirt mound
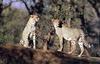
11, 54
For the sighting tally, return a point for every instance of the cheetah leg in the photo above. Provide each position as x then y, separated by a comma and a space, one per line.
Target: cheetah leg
61, 44
34, 41
82, 48
25, 44
73, 47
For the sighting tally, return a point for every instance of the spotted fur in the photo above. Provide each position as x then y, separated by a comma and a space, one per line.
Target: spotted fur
73, 35
29, 30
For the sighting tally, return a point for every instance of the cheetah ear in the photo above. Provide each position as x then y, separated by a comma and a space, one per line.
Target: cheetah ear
52, 20
31, 16
55, 20
64, 22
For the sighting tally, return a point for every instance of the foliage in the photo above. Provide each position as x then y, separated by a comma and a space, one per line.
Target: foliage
13, 24
83, 14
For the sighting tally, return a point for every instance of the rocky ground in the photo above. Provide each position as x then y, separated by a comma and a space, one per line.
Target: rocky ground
11, 54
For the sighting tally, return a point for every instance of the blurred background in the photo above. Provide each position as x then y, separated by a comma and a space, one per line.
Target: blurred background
84, 14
